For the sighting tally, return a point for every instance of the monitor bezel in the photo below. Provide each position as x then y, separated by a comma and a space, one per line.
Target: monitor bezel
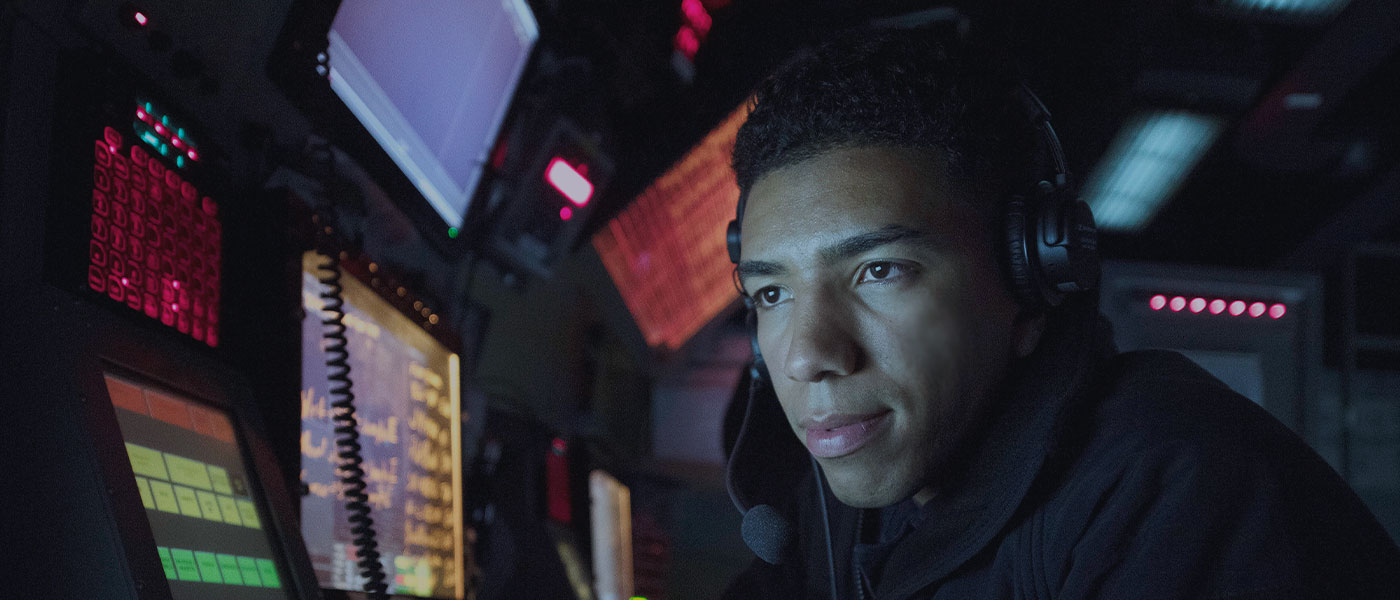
136, 354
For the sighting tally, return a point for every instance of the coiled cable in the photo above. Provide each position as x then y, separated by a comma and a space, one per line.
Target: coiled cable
347, 430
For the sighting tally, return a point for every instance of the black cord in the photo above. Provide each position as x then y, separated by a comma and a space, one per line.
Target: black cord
347, 430
826, 526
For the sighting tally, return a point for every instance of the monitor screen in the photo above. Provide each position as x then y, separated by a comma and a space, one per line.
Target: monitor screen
407, 402
208, 525
432, 85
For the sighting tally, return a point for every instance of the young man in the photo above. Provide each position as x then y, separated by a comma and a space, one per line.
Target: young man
976, 436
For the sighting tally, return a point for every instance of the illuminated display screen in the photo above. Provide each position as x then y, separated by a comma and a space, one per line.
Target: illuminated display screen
408, 403
432, 84
194, 485
666, 251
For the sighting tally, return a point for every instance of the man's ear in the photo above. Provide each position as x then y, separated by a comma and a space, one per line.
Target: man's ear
1026, 331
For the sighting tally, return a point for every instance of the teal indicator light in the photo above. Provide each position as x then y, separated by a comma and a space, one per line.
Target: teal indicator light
150, 138
180, 161
452, 232
149, 110
164, 150
180, 132
165, 120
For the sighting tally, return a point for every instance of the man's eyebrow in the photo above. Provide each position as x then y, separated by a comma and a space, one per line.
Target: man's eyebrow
758, 268
865, 242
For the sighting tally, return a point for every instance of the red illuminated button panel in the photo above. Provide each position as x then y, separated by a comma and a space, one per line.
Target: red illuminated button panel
155, 243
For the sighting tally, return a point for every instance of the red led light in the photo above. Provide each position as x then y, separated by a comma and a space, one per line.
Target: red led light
1178, 303
1277, 311
1217, 306
141, 18
192, 154
1157, 302
566, 213
174, 307
1198, 304
141, 114
1237, 308
177, 142
1257, 309
126, 282
161, 129
687, 42
572, 184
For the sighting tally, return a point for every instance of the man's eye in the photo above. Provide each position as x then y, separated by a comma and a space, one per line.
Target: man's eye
881, 270
768, 296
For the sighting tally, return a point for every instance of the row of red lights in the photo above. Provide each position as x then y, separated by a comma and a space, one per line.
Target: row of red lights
165, 132
1217, 306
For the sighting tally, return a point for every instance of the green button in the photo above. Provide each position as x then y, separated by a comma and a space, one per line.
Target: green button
189, 503
209, 505
208, 567
228, 566
185, 564
165, 497
249, 569
219, 477
188, 472
268, 571
230, 510
145, 461
166, 563
249, 513
147, 500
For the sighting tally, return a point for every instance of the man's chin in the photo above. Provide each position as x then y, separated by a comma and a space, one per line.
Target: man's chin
864, 490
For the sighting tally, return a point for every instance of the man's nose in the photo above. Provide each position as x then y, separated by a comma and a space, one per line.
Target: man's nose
820, 343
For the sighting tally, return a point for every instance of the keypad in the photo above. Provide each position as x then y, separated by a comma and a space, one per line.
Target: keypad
155, 242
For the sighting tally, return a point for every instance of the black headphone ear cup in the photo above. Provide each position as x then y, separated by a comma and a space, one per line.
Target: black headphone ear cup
1019, 226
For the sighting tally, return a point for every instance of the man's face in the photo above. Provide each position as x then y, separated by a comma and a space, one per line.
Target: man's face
882, 316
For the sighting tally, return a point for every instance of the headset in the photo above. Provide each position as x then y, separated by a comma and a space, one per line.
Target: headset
1050, 254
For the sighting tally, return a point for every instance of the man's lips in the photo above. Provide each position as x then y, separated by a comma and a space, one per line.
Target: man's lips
841, 434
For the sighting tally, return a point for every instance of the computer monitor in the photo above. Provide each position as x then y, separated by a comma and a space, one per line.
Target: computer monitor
210, 532
432, 83
408, 404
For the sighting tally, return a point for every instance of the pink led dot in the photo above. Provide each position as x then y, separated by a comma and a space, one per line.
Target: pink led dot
192, 154
1217, 306
566, 213
1157, 302
141, 19
1198, 304
1277, 311
141, 114
126, 281
1237, 308
174, 307
112, 149
160, 129
1178, 303
1257, 309
175, 284
177, 142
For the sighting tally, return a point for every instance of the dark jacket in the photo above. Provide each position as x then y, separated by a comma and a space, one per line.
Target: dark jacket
1104, 475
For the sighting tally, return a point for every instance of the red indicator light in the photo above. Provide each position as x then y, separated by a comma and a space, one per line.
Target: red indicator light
175, 284
1237, 308
1217, 306
176, 142
569, 182
1198, 304
1157, 302
174, 307
1178, 303
141, 18
1257, 309
687, 42
192, 154
161, 129
141, 114
126, 282
1277, 311
566, 213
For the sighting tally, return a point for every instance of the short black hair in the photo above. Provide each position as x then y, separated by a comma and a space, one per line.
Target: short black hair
908, 89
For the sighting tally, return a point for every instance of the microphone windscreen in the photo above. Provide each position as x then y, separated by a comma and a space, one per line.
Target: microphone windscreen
766, 532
